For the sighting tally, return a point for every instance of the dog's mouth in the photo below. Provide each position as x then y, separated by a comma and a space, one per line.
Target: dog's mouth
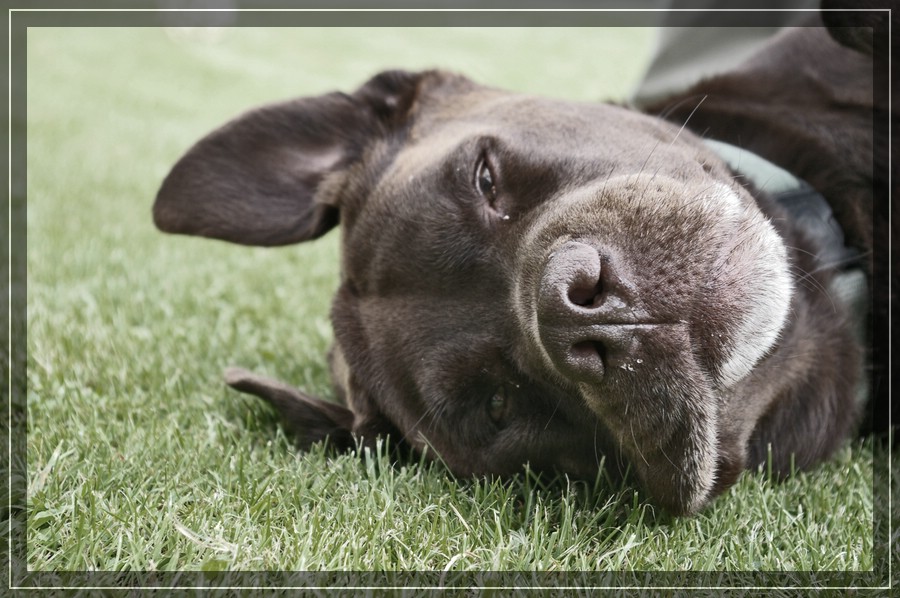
650, 302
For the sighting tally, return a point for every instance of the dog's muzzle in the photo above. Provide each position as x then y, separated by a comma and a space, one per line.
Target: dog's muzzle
648, 297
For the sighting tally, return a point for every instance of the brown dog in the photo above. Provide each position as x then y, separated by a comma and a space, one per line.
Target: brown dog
532, 280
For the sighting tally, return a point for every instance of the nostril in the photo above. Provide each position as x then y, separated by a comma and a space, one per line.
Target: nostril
590, 353
586, 294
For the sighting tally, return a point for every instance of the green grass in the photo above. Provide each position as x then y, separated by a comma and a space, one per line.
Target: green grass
140, 459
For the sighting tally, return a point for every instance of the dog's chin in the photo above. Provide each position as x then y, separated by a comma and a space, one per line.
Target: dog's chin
666, 425
674, 331
751, 296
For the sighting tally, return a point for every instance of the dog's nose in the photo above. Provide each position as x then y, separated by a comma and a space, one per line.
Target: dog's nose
583, 303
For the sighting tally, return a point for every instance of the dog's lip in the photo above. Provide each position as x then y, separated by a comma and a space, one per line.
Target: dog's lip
636, 323
621, 342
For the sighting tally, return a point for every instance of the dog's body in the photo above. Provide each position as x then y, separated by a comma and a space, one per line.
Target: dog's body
531, 280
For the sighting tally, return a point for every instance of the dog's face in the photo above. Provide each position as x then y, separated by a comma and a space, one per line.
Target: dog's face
522, 279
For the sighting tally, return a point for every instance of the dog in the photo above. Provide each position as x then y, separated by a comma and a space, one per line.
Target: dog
531, 280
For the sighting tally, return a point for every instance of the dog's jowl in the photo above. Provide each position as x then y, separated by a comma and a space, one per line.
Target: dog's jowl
527, 280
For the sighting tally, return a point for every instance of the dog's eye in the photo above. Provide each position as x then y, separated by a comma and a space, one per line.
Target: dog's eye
484, 181
498, 405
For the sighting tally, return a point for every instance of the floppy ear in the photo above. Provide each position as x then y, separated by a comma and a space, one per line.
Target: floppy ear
307, 419
255, 180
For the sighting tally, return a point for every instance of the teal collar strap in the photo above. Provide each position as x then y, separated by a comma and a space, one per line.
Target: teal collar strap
763, 174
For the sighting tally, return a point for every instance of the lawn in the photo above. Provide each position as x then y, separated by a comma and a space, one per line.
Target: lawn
141, 460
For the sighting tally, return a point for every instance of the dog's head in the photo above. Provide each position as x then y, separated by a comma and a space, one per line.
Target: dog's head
522, 279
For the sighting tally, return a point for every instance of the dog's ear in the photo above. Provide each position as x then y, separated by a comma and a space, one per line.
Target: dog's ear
308, 420
255, 180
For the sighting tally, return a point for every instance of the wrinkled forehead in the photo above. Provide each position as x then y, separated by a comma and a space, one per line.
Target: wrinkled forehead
588, 131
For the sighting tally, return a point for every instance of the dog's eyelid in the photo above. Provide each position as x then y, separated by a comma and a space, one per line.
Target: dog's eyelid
499, 404
484, 179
